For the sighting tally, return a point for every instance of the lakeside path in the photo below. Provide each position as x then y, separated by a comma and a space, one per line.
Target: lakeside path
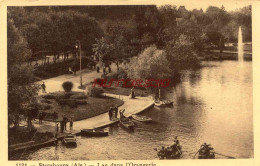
55, 84
131, 106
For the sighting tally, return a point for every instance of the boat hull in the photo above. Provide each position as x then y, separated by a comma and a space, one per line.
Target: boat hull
94, 133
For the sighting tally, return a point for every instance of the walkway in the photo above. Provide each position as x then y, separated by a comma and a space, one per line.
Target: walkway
131, 106
55, 84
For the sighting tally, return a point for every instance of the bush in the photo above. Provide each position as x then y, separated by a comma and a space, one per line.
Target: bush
96, 92
49, 96
67, 86
79, 96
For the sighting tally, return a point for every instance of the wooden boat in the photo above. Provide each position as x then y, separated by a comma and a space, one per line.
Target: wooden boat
141, 118
169, 153
70, 140
127, 123
161, 103
94, 132
206, 152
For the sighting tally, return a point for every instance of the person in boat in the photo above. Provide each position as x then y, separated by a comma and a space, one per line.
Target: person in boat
205, 149
176, 140
121, 112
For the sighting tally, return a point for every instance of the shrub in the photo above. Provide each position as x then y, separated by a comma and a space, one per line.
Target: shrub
79, 96
49, 96
96, 92
67, 86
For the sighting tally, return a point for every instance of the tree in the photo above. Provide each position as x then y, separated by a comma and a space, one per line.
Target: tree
102, 49
21, 89
150, 64
181, 51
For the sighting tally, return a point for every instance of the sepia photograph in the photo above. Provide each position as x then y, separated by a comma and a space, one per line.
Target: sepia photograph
162, 81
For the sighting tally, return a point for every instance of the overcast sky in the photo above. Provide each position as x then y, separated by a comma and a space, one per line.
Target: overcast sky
230, 5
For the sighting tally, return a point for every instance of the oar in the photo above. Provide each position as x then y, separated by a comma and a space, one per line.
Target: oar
196, 153
178, 150
225, 155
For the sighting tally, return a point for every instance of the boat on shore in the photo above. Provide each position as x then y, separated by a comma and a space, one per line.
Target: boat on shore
127, 123
141, 118
94, 132
70, 140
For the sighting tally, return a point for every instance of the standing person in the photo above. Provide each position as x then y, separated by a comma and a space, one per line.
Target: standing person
61, 126
71, 124
57, 130
110, 112
117, 65
97, 68
65, 119
40, 118
104, 69
109, 69
116, 111
43, 87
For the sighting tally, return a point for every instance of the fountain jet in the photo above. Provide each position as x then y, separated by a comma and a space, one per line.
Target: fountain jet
240, 46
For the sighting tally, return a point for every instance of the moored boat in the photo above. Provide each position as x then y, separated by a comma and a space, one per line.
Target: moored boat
127, 123
161, 103
141, 118
94, 132
70, 140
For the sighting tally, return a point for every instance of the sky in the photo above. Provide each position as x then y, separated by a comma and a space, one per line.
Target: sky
230, 5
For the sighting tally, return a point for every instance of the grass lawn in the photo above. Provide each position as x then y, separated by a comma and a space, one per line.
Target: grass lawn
95, 106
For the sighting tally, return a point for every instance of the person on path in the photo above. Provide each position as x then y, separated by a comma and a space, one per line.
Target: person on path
43, 87
109, 69
71, 124
40, 118
97, 68
57, 130
61, 126
65, 119
104, 70
116, 111
110, 112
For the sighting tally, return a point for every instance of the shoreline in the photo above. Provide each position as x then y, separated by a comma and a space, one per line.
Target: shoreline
99, 121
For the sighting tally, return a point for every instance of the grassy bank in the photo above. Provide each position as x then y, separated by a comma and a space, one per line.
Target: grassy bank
76, 107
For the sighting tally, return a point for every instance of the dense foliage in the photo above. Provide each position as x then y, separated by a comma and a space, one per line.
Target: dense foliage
161, 37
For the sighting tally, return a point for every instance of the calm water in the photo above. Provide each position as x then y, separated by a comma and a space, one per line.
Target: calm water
212, 104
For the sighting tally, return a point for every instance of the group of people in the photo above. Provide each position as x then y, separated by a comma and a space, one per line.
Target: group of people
63, 124
104, 69
113, 112
174, 151
205, 150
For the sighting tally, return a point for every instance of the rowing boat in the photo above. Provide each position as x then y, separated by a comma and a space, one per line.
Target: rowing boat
141, 118
94, 132
127, 123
